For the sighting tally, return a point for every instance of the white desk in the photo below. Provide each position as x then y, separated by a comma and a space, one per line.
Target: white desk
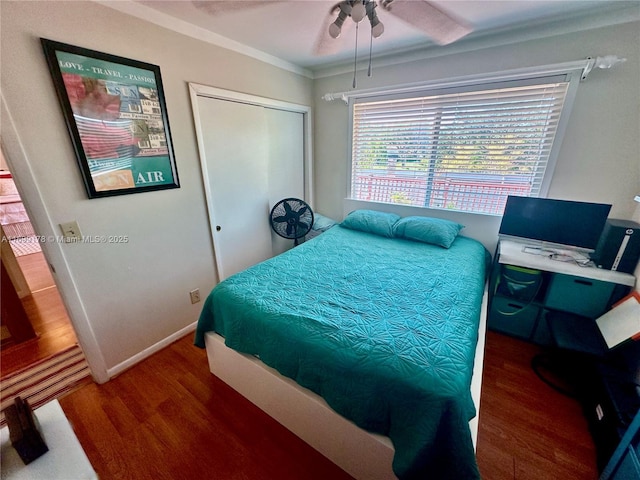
565, 286
511, 253
65, 459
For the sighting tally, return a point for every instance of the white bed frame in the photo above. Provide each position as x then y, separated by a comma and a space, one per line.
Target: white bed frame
363, 455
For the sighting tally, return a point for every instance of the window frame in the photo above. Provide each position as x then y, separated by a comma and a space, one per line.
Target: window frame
572, 74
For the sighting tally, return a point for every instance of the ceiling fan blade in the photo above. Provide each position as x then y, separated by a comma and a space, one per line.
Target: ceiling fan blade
217, 7
325, 45
439, 26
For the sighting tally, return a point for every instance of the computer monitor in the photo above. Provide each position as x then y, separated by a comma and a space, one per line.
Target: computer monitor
562, 222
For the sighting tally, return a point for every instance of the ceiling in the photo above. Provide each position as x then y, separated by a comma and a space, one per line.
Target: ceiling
288, 30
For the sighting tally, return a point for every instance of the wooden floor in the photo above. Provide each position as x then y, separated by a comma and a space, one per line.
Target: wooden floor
168, 417
48, 316
527, 429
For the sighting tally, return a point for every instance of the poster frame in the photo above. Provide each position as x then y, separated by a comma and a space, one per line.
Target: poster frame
103, 78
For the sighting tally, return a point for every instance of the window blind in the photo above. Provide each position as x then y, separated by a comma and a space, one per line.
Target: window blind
464, 150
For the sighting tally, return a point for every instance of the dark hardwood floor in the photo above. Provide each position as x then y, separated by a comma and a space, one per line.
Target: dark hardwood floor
527, 429
168, 417
47, 314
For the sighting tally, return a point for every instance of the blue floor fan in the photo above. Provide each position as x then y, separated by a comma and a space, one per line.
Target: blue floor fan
291, 218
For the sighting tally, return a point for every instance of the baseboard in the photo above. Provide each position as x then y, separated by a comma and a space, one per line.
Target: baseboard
147, 352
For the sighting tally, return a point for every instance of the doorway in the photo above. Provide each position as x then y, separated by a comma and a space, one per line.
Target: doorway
37, 293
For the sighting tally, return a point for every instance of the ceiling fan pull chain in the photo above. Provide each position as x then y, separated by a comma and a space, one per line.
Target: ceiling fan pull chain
355, 58
370, 51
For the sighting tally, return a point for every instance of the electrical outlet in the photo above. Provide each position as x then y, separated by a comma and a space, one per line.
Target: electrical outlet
71, 230
195, 295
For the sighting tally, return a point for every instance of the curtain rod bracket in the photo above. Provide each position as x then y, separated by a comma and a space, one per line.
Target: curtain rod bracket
329, 97
605, 62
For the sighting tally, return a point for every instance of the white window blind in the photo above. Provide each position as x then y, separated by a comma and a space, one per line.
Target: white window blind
464, 150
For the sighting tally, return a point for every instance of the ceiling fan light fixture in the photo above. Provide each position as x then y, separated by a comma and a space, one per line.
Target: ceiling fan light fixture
377, 29
336, 27
358, 11
334, 30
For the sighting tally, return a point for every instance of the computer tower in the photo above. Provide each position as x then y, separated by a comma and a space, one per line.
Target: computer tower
619, 246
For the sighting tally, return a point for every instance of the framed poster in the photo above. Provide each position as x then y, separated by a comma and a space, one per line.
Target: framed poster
117, 118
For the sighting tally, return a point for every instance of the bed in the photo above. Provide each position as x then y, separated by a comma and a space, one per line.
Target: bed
383, 330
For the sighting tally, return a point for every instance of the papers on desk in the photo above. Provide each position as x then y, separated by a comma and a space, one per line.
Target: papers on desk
622, 322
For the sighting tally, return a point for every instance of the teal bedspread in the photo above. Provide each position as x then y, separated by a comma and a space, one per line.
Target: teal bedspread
384, 329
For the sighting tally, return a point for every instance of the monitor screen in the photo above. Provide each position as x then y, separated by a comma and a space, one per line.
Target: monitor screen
563, 222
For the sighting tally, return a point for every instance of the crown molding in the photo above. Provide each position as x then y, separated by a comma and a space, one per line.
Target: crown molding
605, 16
161, 19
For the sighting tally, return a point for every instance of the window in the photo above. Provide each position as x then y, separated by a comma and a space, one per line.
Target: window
464, 148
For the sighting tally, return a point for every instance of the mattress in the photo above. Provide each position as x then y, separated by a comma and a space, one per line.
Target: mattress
383, 329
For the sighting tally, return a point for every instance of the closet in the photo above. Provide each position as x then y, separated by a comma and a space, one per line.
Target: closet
254, 152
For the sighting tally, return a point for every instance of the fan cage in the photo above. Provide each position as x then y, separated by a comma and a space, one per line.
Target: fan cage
291, 218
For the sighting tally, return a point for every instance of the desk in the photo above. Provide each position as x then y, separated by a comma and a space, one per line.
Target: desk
65, 459
517, 306
512, 253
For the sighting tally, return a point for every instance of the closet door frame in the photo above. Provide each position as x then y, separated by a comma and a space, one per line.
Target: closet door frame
199, 90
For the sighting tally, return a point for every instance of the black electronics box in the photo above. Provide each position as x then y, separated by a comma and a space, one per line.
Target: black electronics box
619, 246
24, 431
611, 398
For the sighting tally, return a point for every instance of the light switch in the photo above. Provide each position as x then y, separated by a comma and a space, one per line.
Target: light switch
71, 230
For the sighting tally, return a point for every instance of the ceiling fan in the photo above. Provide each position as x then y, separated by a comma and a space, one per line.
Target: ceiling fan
421, 14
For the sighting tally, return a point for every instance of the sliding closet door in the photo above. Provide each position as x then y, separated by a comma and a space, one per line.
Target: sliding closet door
286, 166
235, 141
254, 154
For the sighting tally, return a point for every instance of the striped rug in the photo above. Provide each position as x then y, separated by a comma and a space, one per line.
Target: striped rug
22, 238
47, 379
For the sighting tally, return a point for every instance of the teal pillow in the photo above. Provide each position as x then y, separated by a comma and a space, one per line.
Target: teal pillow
322, 223
436, 231
371, 221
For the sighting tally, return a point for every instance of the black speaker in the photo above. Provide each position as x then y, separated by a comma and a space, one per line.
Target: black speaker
619, 246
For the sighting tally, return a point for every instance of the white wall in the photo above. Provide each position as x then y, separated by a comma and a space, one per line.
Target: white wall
124, 299
3, 162
599, 160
